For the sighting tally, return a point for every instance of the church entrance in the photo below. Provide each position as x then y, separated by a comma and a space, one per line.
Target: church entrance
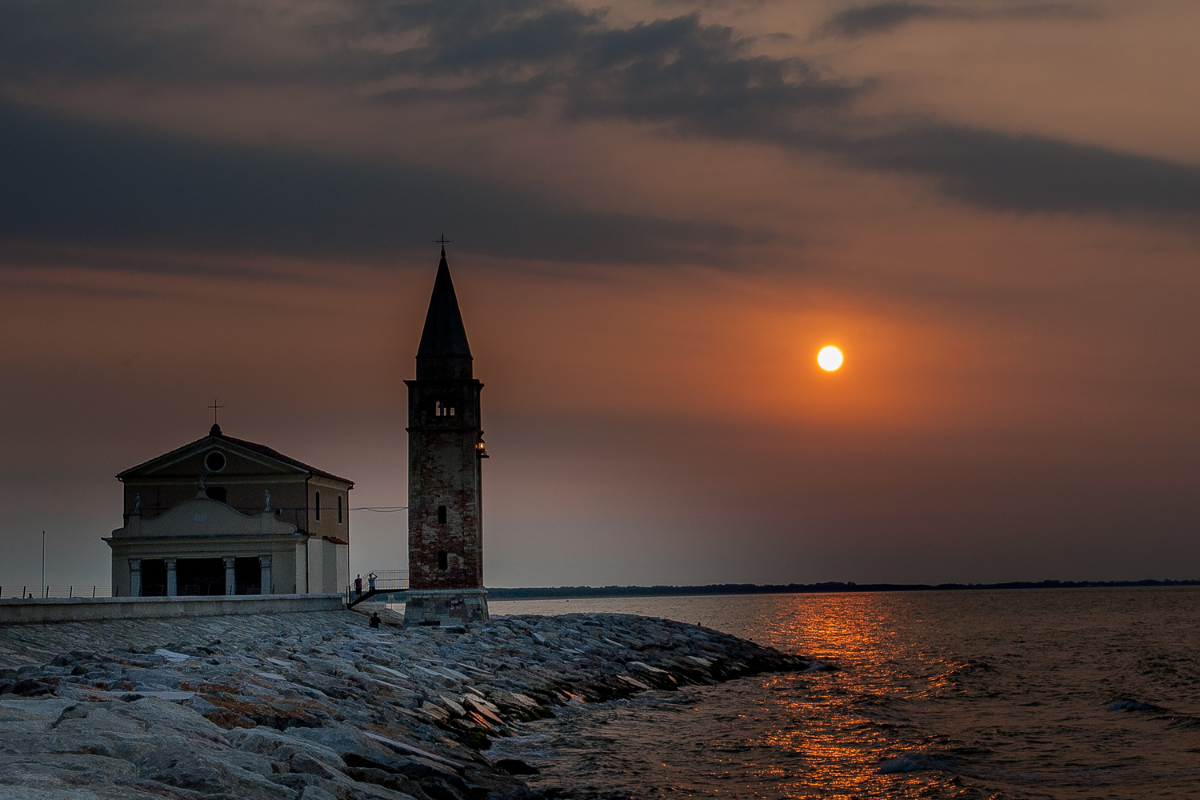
154, 577
247, 576
200, 576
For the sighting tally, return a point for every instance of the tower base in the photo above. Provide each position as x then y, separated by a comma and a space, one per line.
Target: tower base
445, 607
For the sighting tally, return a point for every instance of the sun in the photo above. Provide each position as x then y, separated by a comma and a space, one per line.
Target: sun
830, 358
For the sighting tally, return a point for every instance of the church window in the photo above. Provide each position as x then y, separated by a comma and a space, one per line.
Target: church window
339, 509
440, 410
215, 493
443, 560
317, 506
441, 515
215, 461
452, 411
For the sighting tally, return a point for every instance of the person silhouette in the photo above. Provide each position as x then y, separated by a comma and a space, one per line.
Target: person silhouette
375, 620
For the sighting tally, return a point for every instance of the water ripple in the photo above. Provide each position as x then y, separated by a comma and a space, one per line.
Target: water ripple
1017, 694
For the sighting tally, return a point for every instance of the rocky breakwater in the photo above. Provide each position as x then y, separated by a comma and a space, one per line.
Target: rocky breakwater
336, 711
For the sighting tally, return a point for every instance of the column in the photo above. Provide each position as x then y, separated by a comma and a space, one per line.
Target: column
172, 580
135, 577
230, 576
265, 563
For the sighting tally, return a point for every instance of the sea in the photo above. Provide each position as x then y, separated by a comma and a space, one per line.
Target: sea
1072, 693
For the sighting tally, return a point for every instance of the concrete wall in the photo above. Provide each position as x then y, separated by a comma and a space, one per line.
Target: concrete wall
331, 493
17, 611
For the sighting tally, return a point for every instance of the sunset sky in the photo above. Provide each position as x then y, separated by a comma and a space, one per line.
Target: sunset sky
661, 211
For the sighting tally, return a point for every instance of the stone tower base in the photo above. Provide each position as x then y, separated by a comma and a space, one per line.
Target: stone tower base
445, 606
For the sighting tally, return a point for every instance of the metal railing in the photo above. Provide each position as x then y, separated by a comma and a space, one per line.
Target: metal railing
43, 592
381, 581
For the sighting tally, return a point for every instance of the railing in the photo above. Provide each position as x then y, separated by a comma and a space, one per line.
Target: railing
380, 581
36, 592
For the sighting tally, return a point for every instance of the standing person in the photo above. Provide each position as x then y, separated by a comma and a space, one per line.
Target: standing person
371, 581
358, 586
375, 620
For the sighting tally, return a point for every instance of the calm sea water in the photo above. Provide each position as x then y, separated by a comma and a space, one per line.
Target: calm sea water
1011, 694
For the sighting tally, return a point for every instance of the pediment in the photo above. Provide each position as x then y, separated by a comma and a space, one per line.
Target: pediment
217, 456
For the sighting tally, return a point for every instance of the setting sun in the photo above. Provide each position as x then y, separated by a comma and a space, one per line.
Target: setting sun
830, 358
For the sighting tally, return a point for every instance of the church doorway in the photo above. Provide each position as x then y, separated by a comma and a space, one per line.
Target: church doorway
154, 577
247, 576
200, 576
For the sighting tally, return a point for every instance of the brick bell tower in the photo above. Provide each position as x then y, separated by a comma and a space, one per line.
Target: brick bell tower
445, 454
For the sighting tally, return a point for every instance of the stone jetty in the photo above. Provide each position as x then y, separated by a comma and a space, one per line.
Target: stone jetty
319, 706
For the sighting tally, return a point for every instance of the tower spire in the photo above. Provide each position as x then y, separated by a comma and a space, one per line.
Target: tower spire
444, 351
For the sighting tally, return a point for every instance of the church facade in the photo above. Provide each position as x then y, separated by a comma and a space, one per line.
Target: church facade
445, 474
225, 516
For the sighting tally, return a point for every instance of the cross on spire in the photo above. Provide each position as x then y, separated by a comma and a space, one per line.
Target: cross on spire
443, 241
214, 408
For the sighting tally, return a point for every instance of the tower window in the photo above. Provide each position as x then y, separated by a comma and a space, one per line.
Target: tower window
443, 560
441, 515
317, 504
339, 509
440, 410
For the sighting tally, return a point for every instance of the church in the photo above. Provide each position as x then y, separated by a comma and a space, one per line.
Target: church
225, 516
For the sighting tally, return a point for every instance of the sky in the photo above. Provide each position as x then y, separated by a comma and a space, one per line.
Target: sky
660, 211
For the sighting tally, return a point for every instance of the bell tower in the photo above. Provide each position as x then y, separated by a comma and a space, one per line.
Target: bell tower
445, 454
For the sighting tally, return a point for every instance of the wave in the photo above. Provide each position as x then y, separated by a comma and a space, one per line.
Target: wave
913, 762
1174, 719
1125, 704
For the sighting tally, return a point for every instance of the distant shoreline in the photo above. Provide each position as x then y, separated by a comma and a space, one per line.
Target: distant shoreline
828, 587
583, 592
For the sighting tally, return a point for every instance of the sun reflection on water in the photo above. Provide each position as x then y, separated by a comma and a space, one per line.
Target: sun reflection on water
938, 695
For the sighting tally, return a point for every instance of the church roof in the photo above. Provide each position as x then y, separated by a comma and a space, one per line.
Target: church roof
444, 334
215, 435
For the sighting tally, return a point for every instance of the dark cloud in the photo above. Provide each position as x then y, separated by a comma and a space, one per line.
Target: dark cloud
878, 18
883, 17
1031, 173
67, 181
505, 57
700, 78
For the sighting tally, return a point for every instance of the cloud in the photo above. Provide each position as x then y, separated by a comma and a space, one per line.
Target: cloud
878, 18
502, 57
1030, 173
696, 77
69, 181
884, 17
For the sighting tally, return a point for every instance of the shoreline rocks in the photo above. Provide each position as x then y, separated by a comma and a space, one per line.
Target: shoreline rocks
333, 709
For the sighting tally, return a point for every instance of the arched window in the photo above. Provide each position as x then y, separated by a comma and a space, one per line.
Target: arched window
443, 560
339, 509
317, 505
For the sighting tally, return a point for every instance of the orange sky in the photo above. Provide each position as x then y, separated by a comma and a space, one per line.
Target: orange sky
661, 211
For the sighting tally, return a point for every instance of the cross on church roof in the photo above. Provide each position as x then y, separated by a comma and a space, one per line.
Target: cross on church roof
214, 408
443, 241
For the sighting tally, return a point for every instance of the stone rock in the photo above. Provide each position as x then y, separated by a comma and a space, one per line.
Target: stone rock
317, 705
